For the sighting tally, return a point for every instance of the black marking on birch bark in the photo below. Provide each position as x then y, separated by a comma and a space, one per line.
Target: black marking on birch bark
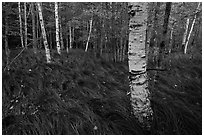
135, 73
134, 26
132, 54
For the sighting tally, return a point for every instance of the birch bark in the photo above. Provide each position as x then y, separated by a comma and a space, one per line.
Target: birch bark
20, 21
47, 50
185, 33
57, 28
137, 63
87, 43
25, 19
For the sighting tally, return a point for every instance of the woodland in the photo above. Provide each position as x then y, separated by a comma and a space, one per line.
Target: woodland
101, 68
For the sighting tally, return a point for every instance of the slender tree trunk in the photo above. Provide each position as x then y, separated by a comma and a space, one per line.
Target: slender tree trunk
87, 43
61, 30
137, 64
57, 28
25, 19
50, 33
171, 39
6, 42
102, 38
189, 35
33, 28
47, 50
185, 33
70, 36
20, 21
37, 31
162, 45
126, 21
61, 36
73, 33
67, 42
155, 46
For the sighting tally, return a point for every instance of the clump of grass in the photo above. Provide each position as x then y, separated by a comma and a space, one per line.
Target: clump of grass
80, 94
176, 97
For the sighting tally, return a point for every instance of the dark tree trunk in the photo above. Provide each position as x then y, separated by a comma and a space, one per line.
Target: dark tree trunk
162, 45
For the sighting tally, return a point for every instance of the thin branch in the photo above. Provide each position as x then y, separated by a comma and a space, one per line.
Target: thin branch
19, 54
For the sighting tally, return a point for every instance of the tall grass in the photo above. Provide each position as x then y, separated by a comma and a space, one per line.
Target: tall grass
80, 94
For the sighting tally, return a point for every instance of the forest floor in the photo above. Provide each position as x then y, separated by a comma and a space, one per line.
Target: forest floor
80, 94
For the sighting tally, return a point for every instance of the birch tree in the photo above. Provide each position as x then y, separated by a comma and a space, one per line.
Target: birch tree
185, 33
137, 63
47, 50
20, 21
90, 29
33, 27
25, 24
57, 28
70, 36
189, 35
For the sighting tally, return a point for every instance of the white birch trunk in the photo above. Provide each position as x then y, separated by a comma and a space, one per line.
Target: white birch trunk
189, 35
87, 43
171, 39
70, 36
61, 35
25, 19
186, 32
137, 64
57, 28
47, 50
20, 21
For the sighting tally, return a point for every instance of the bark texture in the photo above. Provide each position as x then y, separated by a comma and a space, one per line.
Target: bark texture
20, 21
57, 28
47, 50
137, 63
25, 19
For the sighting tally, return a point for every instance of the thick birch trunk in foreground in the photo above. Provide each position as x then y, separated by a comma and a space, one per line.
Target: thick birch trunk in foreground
47, 50
33, 27
25, 19
57, 28
137, 63
20, 21
185, 33
189, 35
87, 43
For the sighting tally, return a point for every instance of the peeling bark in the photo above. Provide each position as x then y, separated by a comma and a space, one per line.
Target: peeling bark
137, 63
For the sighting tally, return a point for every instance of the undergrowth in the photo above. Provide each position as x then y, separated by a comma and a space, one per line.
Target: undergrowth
80, 94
